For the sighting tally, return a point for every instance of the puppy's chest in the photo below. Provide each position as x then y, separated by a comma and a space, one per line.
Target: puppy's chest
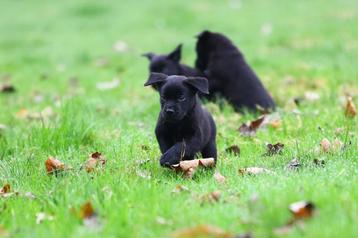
178, 133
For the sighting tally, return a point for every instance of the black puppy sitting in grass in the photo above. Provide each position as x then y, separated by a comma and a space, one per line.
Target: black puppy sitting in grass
184, 127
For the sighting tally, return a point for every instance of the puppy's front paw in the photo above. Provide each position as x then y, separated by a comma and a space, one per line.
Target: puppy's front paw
170, 157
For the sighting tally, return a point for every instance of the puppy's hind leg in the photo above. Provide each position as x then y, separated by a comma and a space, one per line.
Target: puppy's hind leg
209, 151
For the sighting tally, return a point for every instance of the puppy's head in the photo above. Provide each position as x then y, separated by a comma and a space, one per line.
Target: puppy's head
166, 64
177, 94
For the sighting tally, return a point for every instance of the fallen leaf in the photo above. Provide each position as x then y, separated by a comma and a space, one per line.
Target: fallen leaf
180, 188
96, 159
350, 110
325, 145
202, 231
41, 216
7, 88
5, 189
211, 197
87, 211
234, 149
253, 171
188, 167
302, 209
53, 166
276, 123
273, 149
108, 85
294, 164
249, 129
219, 177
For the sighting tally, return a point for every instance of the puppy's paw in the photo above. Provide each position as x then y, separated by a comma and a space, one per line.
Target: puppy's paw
170, 157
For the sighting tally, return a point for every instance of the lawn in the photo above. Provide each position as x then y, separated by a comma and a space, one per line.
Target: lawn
56, 52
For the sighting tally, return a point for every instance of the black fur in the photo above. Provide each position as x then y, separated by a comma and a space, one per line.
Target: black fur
229, 74
170, 64
184, 127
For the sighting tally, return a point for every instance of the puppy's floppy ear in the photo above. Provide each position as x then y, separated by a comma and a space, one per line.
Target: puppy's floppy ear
176, 53
199, 83
155, 79
148, 55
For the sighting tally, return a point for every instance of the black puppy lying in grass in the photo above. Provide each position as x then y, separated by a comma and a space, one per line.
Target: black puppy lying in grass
229, 73
184, 127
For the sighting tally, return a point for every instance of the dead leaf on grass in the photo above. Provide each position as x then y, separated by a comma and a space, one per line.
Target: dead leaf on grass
89, 216
54, 166
253, 171
302, 209
219, 177
325, 145
5, 189
95, 161
273, 149
211, 197
350, 109
202, 231
234, 149
188, 167
250, 128
180, 188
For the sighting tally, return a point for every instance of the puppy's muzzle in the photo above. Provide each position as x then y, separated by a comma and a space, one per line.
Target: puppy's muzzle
169, 112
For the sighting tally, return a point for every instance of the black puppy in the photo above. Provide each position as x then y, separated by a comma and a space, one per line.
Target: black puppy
184, 127
229, 74
170, 64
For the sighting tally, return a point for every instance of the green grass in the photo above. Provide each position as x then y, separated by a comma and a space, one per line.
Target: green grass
313, 47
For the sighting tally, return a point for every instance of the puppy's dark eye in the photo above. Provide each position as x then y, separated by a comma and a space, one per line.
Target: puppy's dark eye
181, 99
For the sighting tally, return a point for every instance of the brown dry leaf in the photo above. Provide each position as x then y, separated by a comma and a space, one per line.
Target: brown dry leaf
188, 167
96, 159
212, 197
325, 145
253, 171
87, 211
234, 149
273, 149
7, 88
219, 177
350, 110
202, 231
249, 129
294, 164
53, 166
89, 216
180, 188
302, 209
5, 189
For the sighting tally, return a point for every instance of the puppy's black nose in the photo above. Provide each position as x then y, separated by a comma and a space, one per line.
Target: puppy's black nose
169, 111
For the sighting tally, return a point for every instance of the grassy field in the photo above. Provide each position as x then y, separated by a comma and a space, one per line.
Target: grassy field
56, 52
